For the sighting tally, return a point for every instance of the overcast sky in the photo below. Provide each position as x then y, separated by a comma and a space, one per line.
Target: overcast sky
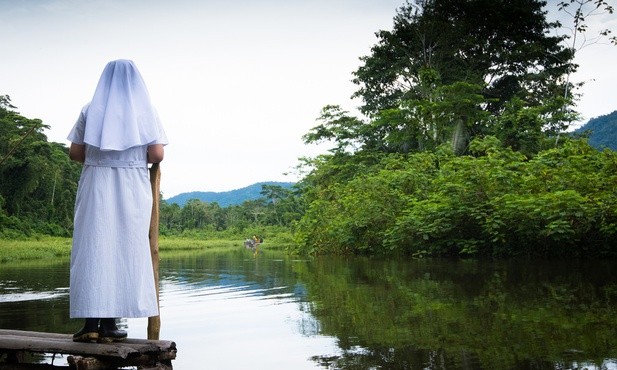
236, 83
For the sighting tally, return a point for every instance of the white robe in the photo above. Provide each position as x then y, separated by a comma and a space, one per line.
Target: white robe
111, 268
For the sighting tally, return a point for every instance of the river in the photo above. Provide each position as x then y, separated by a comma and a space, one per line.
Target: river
239, 310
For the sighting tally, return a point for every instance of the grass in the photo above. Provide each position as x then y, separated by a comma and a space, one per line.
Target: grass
39, 248
175, 243
48, 247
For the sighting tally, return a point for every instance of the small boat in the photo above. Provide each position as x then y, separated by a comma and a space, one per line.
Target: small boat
252, 244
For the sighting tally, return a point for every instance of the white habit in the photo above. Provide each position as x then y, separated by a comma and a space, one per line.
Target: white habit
111, 269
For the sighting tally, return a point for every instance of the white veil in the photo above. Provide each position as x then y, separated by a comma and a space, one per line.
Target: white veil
120, 115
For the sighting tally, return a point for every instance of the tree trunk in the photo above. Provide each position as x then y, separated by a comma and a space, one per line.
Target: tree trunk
460, 137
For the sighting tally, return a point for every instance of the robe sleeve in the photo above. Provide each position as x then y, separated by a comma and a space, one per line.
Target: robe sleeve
77, 132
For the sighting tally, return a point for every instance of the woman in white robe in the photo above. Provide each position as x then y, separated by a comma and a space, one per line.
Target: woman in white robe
116, 135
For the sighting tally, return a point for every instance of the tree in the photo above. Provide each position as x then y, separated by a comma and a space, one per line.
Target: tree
498, 43
170, 217
499, 50
39, 181
338, 126
276, 196
579, 11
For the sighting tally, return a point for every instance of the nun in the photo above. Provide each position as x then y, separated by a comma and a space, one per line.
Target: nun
115, 137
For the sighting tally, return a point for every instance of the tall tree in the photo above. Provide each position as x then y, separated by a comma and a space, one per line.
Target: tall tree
498, 50
502, 44
37, 191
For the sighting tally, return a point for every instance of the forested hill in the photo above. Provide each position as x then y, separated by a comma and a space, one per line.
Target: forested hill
227, 198
603, 131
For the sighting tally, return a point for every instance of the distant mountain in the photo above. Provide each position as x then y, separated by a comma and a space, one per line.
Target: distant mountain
603, 131
226, 198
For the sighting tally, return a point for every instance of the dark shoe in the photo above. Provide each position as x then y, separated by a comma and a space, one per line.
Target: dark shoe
89, 332
109, 332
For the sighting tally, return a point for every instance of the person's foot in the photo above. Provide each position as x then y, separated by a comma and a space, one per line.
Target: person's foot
88, 333
109, 332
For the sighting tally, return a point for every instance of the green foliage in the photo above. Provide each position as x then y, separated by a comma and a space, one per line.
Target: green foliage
453, 70
279, 206
467, 98
496, 202
34, 248
337, 126
39, 182
350, 213
525, 127
506, 43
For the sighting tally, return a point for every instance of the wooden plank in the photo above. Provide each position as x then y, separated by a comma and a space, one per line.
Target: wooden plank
48, 345
18, 340
90, 363
36, 334
4, 366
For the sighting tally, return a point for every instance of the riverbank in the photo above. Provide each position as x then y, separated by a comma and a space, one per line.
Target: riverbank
48, 247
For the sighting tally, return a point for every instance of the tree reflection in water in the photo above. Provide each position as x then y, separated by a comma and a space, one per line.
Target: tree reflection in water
235, 310
436, 314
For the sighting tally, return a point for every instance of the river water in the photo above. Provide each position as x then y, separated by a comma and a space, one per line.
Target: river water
238, 310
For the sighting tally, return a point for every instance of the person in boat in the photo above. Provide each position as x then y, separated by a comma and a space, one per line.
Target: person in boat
115, 137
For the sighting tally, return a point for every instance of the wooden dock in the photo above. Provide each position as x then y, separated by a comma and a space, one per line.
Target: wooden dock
140, 353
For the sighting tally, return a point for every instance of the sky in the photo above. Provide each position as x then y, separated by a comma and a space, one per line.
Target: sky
236, 83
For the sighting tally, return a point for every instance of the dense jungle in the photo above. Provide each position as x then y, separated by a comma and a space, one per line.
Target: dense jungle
461, 148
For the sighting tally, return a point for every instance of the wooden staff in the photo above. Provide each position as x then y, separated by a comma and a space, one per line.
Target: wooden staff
154, 322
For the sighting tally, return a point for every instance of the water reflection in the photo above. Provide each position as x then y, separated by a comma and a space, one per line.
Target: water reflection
32, 296
233, 310
466, 314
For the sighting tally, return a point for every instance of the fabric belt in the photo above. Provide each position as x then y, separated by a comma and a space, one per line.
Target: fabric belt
116, 163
